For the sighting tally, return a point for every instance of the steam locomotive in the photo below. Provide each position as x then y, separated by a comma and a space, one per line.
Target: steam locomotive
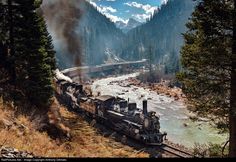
115, 112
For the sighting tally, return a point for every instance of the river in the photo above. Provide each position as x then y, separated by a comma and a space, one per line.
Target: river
174, 117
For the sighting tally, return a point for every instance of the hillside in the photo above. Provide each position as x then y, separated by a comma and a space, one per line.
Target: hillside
86, 36
131, 24
89, 34
20, 132
162, 33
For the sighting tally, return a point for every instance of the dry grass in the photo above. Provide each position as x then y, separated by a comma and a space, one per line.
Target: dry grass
85, 141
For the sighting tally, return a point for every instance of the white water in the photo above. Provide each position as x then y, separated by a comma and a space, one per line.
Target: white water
173, 114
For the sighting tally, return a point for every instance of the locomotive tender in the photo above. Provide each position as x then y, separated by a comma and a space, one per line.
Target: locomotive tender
115, 112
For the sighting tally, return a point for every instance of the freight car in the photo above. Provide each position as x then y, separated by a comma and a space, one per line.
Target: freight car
114, 112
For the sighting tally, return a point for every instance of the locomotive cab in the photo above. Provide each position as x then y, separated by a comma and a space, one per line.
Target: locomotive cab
123, 106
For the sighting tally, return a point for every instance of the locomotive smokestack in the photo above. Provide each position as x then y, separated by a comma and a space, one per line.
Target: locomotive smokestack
145, 107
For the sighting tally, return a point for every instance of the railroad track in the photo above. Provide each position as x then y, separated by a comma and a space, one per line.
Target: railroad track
166, 147
176, 151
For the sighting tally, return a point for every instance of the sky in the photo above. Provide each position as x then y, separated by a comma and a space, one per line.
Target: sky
122, 10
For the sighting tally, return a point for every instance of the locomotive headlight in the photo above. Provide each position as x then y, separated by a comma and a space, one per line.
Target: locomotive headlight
136, 131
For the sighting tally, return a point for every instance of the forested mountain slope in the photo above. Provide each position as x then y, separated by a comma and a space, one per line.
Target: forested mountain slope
93, 38
80, 32
162, 33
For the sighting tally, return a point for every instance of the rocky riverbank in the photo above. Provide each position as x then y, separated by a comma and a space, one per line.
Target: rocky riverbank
174, 115
160, 88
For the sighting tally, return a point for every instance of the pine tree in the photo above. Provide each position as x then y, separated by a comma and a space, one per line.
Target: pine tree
51, 53
209, 61
2, 16
31, 58
7, 73
2, 33
171, 65
2, 44
150, 60
37, 56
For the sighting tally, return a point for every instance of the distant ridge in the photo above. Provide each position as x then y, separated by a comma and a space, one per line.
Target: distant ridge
131, 24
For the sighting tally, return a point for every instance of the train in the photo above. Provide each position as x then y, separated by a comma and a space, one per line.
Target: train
115, 112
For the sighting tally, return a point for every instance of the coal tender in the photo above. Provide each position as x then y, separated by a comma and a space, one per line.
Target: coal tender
115, 112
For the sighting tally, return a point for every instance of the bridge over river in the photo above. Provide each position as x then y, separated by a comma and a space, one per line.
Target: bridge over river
121, 66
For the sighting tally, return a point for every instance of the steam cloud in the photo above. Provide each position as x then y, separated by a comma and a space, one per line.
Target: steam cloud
62, 18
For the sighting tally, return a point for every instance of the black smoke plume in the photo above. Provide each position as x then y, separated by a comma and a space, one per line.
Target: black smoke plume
62, 17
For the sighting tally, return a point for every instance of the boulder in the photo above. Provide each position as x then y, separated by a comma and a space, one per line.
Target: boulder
9, 152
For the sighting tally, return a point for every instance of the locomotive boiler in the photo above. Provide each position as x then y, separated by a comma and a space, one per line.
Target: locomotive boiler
114, 112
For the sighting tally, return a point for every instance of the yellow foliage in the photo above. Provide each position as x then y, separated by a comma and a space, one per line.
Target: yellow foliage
85, 141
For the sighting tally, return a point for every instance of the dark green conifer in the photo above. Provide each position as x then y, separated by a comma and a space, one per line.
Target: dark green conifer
209, 63
31, 57
37, 56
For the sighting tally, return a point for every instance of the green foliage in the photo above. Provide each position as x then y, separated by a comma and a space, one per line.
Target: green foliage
209, 150
163, 32
200, 150
207, 57
215, 150
172, 64
33, 57
2, 12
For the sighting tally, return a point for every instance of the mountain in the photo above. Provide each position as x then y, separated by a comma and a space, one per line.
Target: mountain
84, 36
131, 24
87, 34
98, 35
121, 24
162, 33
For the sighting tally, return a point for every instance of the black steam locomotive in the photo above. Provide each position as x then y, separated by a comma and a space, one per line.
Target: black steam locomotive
119, 114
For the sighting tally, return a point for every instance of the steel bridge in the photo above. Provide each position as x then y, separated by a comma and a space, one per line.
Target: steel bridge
73, 72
